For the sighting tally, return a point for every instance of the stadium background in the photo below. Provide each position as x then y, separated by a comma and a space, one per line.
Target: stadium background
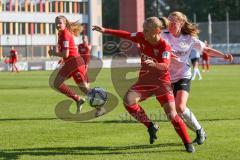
29, 26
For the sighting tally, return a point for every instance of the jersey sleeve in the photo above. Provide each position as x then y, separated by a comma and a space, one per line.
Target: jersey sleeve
166, 58
123, 34
65, 40
198, 45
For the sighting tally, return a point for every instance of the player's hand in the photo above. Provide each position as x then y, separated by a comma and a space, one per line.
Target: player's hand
51, 52
228, 57
98, 28
150, 63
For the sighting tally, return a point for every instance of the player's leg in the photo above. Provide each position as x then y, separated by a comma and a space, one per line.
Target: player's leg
63, 88
58, 82
197, 69
130, 101
203, 65
194, 68
79, 76
11, 64
84, 87
179, 125
208, 65
188, 117
15, 66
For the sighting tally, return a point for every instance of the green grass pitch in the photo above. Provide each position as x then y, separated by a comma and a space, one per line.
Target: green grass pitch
30, 130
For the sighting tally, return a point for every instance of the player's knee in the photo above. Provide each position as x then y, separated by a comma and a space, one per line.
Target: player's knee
170, 110
180, 108
128, 101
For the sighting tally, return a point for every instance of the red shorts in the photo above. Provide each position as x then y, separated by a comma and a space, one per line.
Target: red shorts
13, 61
162, 92
74, 68
10, 61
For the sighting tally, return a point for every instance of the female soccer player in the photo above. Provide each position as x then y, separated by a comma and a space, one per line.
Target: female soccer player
182, 37
84, 50
154, 78
73, 63
13, 59
205, 60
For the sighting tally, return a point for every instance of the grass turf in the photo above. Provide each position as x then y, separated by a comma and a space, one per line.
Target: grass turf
30, 129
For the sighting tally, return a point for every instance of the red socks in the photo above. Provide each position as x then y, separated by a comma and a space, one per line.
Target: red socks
138, 113
63, 88
181, 129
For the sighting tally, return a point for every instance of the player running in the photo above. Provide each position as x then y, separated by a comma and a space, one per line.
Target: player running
73, 65
154, 78
182, 37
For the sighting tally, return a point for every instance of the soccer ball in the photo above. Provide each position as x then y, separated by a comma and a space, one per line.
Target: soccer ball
97, 97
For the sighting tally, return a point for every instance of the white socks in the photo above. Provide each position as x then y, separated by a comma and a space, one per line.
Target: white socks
190, 120
196, 72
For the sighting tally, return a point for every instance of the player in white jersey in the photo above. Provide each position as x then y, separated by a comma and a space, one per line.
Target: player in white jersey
195, 56
182, 37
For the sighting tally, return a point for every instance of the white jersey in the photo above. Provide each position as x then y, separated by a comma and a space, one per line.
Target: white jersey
182, 46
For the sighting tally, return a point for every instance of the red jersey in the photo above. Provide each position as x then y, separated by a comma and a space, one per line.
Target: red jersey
13, 56
84, 50
66, 41
160, 54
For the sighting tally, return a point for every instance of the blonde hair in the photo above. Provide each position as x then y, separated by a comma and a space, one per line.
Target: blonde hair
188, 27
155, 22
74, 27
164, 21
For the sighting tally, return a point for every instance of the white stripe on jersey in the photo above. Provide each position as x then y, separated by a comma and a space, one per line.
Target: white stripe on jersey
134, 34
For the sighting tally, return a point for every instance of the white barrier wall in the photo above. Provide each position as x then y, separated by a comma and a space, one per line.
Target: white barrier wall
107, 63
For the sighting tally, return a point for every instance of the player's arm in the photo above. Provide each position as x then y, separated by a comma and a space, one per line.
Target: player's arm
117, 33
163, 66
202, 47
65, 51
215, 53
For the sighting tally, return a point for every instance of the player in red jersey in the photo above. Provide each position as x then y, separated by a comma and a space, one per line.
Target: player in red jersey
84, 50
154, 78
13, 59
205, 60
73, 65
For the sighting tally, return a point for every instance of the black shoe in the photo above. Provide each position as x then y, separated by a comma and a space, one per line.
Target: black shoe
80, 105
201, 136
189, 148
152, 130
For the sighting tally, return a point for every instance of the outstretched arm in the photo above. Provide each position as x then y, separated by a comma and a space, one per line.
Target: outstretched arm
216, 53
117, 33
